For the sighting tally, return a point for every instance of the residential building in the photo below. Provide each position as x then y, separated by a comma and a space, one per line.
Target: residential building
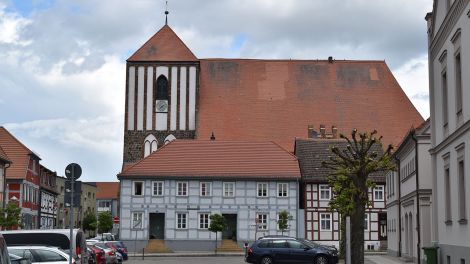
22, 178
4, 164
321, 223
172, 193
449, 60
107, 197
409, 193
48, 198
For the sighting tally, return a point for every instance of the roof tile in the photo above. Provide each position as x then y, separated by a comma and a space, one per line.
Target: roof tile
17, 152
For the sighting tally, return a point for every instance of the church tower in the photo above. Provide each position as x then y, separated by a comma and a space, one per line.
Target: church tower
162, 82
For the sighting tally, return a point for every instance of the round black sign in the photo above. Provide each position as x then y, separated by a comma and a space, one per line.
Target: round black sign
73, 169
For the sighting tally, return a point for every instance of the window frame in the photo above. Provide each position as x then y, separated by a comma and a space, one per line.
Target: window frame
265, 189
379, 189
208, 190
133, 219
153, 188
202, 224
263, 221
320, 191
142, 188
186, 189
182, 225
224, 189
322, 220
286, 184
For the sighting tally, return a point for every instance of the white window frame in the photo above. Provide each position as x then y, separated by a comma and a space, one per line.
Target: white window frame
208, 189
285, 189
379, 189
265, 189
153, 188
203, 217
184, 220
262, 221
225, 184
322, 188
134, 219
186, 189
323, 218
133, 188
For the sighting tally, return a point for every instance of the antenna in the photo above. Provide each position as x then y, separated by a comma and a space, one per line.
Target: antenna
166, 13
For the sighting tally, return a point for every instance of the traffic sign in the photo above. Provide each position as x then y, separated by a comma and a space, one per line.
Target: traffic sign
73, 169
116, 219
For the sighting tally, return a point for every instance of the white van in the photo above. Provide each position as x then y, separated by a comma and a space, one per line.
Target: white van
50, 237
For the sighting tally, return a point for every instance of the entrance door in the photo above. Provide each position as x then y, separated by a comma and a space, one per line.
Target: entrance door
382, 226
157, 226
230, 231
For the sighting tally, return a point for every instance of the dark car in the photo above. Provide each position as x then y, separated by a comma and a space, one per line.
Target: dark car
270, 250
119, 247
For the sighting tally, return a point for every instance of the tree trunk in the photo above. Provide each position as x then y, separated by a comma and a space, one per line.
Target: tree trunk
216, 242
357, 233
342, 241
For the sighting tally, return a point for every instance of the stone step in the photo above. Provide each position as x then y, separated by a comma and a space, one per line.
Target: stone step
157, 246
229, 245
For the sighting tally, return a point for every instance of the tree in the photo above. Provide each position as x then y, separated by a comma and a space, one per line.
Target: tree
350, 181
10, 216
89, 221
105, 222
283, 222
218, 224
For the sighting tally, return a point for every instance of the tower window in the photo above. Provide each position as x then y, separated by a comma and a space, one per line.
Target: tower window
162, 88
150, 145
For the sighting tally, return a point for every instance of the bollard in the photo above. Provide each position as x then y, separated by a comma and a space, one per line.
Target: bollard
143, 250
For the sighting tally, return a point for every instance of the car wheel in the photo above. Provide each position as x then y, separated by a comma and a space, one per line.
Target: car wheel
266, 260
321, 260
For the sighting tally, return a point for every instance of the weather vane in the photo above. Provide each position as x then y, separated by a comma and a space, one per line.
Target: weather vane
166, 13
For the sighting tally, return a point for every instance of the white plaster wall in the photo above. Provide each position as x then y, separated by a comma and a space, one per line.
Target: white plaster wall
140, 98
174, 97
192, 98
183, 88
131, 99
150, 107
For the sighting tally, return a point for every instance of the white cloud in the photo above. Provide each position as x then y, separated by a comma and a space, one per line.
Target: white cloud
10, 27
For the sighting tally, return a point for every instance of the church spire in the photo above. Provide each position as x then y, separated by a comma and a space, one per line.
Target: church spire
166, 13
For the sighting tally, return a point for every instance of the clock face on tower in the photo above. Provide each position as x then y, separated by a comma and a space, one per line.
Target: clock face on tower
161, 106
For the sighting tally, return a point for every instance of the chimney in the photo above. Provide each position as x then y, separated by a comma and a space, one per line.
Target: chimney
334, 131
311, 132
212, 136
322, 131
330, 59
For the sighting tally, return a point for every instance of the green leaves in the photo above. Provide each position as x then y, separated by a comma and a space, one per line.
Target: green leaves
105, 222
89, 221
283, 222
217, 223
10, 216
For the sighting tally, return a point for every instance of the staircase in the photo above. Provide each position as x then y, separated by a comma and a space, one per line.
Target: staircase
383, 245
157, 246
229, 245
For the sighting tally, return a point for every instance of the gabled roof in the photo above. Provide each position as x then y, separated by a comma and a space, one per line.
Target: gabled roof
277, 100
217, 159
107, 190
3, 156
422, 131
312, 152
165, 45
17, 153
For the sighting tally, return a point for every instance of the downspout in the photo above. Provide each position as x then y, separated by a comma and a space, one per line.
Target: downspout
418, 227
7, 165
399, 203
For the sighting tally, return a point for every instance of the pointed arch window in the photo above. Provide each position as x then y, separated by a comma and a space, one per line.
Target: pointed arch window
150, 145
162, 88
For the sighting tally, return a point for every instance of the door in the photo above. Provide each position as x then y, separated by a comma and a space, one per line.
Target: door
230, 231
157, 226
382, 226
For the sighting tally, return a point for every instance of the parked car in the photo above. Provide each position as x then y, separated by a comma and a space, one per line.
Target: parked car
38, 254
105, 237
14, 259
51, 237
109, 253
4, 256
120, 247
280, 249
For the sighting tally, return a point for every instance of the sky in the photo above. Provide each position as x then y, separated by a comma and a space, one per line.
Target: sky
62, 62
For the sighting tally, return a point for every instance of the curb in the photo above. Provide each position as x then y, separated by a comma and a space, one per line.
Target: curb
188, 254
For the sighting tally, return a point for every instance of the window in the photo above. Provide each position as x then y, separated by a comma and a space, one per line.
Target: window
104, 204
366, 222
278, 244
49, 256
138, 188
229, 189
447, 195
205, 189
262, 189
162, 88
379, 193
157, 188
295, 244
137, 220
325, 192
458, 84
325, 222
150, 145
204, 221
282, 189
462, 205
262, 221
182, 189
181, 220
445, 114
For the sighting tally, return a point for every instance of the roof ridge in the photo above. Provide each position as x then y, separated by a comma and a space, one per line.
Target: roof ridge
151, 154
287, 60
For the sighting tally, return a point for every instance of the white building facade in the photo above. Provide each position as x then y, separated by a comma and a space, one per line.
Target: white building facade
449, 64
409, 191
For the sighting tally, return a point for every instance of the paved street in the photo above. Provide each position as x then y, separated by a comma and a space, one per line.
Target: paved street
373, 259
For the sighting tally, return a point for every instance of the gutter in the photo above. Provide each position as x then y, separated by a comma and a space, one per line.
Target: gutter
399, 203
418, 227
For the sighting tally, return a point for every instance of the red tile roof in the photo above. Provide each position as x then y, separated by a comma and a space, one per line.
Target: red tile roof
107, 190
165, 45
17, 153
218, 159
3, 156
276, 100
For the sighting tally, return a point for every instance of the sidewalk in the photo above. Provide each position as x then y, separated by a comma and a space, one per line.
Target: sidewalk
381, 259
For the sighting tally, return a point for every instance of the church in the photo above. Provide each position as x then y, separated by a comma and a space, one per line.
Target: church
196, 114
